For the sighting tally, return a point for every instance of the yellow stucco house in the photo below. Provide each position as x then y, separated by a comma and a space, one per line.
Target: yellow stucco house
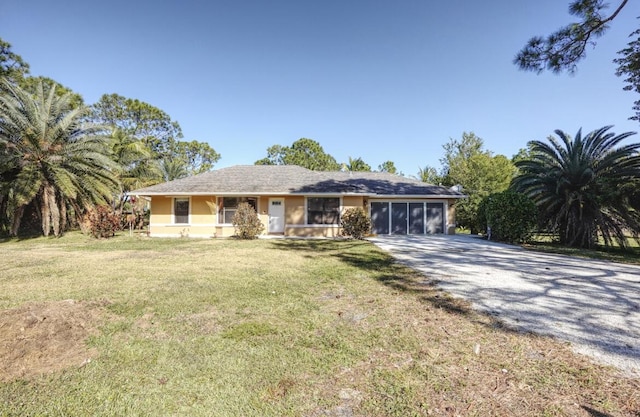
294, 201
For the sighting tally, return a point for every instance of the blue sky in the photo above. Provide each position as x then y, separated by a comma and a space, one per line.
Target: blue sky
381, 80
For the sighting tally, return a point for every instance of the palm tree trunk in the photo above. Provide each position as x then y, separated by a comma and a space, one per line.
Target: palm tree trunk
17, 217
54, 210
45, 211
63, 215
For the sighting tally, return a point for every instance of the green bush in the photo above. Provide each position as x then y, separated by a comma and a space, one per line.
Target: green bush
103, 222
246, 222
355, 223
508, 216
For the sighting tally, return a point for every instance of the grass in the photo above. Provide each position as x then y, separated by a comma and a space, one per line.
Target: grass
630, 255
284, 328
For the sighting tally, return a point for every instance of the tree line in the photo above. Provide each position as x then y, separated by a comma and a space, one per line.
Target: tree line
60, 158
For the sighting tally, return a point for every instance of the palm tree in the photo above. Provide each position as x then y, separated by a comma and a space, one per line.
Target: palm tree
50, 160
137, 167
582, 186
173, 169
357, 164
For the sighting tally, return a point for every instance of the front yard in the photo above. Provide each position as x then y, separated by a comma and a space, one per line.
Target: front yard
134, 326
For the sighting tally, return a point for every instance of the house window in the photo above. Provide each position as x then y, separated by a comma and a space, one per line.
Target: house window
227, 207
181, 210
322, 210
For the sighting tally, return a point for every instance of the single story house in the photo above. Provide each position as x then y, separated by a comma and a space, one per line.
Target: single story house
294, 201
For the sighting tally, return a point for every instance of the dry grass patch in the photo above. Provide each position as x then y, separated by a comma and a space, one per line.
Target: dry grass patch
47, 337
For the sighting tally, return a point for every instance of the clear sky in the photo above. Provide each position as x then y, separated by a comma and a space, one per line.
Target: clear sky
381, 80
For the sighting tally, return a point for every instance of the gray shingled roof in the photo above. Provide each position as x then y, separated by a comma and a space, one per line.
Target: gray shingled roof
291, 179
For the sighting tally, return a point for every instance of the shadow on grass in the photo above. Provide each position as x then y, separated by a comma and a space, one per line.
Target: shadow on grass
630, 255
594, 413
382, 266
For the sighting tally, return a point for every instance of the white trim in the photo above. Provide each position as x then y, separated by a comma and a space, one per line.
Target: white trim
190, 236
185, 225
410, 200
290, 194
420, 196
312, 226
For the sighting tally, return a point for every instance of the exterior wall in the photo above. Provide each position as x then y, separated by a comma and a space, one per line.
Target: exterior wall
203, 210
352, 202
203, 218
313, 231
263, 213
294, 211
295, 214
451, 217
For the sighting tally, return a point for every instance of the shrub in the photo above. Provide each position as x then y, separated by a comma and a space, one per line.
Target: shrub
508, 216
355, 223
246, 223
103, 222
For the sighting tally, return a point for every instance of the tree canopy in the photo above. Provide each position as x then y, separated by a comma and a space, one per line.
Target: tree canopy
478, 171
563, 49
138, 119
32, 84
12, 66
388, 166
155, 129
357, 164
304, 152
629, 67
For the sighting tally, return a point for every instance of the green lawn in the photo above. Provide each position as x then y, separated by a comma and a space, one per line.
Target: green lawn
279, 328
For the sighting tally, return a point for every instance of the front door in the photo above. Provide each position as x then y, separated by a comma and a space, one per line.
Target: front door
276, 215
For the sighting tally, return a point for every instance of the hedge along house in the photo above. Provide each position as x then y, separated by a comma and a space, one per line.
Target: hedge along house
294, 201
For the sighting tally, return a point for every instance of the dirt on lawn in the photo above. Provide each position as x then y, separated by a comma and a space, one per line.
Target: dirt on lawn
46, 337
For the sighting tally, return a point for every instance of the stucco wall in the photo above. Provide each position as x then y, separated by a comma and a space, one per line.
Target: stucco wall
294, 210
352, 202
203, 220
161, 210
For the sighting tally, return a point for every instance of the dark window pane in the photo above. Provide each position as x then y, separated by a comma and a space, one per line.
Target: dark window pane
323, 210
399, 218
380, 218
230, 202
181, 210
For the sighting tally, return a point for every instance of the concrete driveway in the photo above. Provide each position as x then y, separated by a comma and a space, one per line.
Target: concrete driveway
593, 304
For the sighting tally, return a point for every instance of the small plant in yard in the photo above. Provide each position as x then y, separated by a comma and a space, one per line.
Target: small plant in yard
355, 223
246, 222
103, 222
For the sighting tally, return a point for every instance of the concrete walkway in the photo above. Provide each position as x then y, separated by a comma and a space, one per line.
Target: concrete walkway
593, 304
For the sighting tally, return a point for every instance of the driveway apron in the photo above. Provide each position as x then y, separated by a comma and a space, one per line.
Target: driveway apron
593, 304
